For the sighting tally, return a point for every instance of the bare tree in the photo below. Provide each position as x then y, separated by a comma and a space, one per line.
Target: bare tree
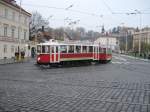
37, 21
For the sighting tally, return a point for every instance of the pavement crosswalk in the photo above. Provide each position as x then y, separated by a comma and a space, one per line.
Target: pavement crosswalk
119, 60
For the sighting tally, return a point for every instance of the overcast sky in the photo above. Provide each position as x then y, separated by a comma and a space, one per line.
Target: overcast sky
91, 13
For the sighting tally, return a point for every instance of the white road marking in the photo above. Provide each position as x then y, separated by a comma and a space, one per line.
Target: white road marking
120, 58
118, 62
136, 58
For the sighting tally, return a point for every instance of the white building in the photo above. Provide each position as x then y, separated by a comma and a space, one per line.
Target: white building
107, 40
14, 29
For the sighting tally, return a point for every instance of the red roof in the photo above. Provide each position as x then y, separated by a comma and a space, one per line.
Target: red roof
10, 2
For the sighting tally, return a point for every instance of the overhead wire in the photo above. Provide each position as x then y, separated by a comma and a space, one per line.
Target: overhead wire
64, 9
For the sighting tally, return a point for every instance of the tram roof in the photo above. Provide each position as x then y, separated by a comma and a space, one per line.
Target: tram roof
68, 43
83, 43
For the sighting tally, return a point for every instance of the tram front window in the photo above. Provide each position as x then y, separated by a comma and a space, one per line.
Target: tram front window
90, 49
38, 49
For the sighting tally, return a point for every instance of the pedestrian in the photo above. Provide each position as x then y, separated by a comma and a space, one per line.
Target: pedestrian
22, 54
144, 55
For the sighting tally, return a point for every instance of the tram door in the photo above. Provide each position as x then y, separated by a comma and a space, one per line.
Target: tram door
55, 55
96, 53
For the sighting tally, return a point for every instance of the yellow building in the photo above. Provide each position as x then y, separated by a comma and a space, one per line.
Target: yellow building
14, 29
141, 37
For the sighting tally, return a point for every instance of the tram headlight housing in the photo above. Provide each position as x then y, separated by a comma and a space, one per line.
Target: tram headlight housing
38, 58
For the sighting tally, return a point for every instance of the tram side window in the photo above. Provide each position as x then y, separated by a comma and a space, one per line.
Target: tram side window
71, 49
56, 49
104, 50
43, 49
90, 49
52, 48
63, 49
38, 49
100, 49
84, 49
47, 49
78, 49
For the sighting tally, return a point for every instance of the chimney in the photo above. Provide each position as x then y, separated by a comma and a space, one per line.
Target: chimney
42, 28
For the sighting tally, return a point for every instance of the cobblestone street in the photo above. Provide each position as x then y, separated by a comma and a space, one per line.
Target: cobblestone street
113, 87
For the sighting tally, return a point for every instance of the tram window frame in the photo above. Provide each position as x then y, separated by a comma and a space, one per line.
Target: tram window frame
90, 49
52, 49
78, 49
71, 49
47, 49
62, 47
100, 50
56, 49
84, 49
104, 50
39, 50
43, 49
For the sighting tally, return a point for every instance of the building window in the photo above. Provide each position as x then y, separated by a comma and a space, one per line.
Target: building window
25, 20
19, 32
13, 16
6, 13
13, 32
12, 49
16, 49
5, 30
25, 34
5, 48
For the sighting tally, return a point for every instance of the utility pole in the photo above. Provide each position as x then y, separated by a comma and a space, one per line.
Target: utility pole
126, 41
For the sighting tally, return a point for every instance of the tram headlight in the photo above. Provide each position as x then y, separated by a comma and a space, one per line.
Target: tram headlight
38, 58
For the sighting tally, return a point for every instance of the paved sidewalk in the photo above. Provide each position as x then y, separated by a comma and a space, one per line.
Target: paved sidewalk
132, 57
12, 60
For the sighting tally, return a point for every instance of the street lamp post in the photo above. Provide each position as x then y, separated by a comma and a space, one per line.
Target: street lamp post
126, 41
126, 37
140, 15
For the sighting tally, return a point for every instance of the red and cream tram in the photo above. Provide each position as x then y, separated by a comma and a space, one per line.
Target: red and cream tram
54, 52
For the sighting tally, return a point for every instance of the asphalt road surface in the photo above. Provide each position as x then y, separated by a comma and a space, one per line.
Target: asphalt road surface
120, 86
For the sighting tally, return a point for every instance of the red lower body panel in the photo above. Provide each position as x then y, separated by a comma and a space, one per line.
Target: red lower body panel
47, 58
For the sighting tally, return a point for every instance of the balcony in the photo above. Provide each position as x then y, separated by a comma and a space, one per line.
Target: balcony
8, 39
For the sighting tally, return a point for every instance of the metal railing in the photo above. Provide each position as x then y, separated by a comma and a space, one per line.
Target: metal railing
11, 39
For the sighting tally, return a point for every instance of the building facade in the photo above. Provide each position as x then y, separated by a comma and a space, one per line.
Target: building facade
139, 38
107, 40
14, 29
